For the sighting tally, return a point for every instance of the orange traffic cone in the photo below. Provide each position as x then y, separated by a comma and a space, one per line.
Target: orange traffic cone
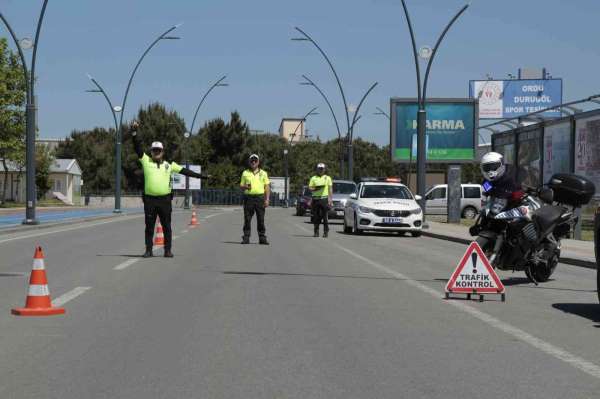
159, 238
194, 221
38, 302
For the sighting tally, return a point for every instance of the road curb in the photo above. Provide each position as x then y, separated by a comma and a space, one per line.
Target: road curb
568, 260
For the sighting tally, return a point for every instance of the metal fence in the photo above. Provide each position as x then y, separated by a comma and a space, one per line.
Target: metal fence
211, 196
228, 197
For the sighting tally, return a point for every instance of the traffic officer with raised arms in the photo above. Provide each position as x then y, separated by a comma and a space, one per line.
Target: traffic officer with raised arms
158, 189
322, 199
256, 185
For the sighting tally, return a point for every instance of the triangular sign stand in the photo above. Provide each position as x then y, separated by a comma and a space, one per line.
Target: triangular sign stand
474, 275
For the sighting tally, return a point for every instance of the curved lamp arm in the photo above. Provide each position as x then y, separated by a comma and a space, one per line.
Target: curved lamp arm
217, 83
21, 55
437, 45
310, 39
112, 109
355, 119
337, 126
162, 36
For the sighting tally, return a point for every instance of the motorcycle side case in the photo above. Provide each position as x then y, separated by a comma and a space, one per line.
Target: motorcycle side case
571, 189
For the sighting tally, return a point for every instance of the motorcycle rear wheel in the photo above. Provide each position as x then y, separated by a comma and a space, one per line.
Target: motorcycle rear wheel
542, 273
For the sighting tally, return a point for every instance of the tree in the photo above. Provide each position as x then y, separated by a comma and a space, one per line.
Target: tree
94, 151
156, 124
43, 162
12, 113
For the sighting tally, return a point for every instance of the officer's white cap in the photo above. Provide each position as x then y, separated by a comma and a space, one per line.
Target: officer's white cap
157, 144
254, 156
321, 166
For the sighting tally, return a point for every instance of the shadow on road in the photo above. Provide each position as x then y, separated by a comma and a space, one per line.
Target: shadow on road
122, 255
590, 311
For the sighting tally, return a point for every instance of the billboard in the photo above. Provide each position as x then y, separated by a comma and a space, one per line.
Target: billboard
451, 129
587, 148
179, 180
499, 99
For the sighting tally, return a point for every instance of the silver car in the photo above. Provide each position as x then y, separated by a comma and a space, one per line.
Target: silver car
341, 192
470, 201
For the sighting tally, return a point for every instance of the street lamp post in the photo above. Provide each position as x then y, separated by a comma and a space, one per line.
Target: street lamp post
286, 151
309, 82
306, 37
426, 53
30, 112
121, 109
286, 171
218, 83
351, 133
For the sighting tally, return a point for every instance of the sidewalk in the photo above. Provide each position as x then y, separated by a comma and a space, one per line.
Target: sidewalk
574, 252
12, 221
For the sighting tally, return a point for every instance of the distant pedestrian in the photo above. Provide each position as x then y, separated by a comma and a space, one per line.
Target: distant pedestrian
158, 194
255, 183
322, 199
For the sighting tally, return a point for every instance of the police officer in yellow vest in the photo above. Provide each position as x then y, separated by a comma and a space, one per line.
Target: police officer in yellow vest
255, 183
322, 199
157, 189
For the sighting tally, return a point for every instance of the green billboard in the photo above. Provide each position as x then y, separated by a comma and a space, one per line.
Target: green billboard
451, 129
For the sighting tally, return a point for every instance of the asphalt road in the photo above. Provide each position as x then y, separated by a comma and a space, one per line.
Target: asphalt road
344, 317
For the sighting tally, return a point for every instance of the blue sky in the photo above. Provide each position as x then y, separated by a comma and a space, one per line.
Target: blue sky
249, 41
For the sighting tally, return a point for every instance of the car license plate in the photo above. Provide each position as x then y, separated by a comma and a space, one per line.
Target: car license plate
392, 220
340, 213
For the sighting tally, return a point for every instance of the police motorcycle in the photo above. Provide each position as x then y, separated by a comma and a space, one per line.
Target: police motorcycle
527, 236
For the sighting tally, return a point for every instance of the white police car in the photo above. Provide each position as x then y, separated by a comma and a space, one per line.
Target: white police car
383, 205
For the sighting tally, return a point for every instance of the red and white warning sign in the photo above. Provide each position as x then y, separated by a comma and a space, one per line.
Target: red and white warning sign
474, 274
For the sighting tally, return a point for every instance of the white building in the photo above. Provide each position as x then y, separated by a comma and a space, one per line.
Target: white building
65, 181
292, 129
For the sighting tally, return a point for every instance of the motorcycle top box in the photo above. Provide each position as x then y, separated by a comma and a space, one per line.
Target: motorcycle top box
570, 189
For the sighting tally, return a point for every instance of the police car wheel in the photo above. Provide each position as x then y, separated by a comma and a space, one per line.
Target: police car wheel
347, 229
416, 234
355, 228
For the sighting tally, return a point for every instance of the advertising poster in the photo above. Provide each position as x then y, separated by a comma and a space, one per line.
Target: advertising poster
499, 99
505, 145
587, 148
179, 180
557, 149
529, 158
450, 130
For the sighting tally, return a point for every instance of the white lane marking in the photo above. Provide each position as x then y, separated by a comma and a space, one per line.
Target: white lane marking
546, 347
66, 297
125, 264
174, 237
83, 226
184, 231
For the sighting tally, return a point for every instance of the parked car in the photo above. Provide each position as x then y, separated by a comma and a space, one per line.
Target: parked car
383, 206
304, 201
470, 202
341, 192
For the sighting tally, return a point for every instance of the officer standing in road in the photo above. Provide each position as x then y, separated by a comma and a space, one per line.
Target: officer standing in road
158, 189
255, 183
322, 199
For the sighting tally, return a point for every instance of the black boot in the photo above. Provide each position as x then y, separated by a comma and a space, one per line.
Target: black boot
245, 240
325, 234
168, 253
263, 240
316, 234
148, 253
